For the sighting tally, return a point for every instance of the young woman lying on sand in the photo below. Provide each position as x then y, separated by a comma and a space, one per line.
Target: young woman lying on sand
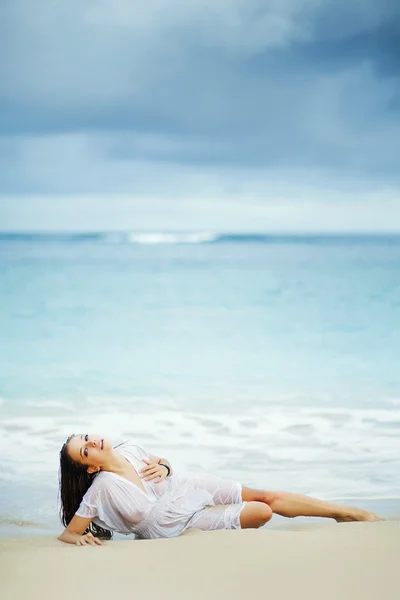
126, 489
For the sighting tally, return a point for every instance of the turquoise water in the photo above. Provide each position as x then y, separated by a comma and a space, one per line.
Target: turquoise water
269, 359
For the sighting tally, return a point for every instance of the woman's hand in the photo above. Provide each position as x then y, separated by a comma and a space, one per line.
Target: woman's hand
88, 539
153, 471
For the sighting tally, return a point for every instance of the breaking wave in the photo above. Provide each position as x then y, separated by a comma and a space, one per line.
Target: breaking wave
201, 237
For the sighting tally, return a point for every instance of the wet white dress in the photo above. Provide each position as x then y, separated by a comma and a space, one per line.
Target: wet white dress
165, 509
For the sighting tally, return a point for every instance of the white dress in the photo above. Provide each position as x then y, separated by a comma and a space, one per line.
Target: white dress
165, 509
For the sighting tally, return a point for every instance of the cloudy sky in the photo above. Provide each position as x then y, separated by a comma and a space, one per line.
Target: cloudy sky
278, 115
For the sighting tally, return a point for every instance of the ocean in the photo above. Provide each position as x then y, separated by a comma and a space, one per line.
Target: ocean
270, 359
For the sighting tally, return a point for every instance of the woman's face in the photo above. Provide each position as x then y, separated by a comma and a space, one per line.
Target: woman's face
91, 450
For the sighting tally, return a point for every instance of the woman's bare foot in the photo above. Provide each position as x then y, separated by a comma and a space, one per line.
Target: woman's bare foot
356, 514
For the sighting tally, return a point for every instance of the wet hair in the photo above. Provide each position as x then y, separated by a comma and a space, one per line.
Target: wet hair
74, 482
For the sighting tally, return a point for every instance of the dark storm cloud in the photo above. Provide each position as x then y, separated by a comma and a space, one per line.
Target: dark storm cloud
244, 84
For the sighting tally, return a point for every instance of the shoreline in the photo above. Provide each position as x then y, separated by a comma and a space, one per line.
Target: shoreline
350, 561
388, 509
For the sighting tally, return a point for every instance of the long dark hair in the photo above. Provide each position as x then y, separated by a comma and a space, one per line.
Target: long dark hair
74, 482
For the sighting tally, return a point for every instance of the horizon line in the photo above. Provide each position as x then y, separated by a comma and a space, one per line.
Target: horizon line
204, 231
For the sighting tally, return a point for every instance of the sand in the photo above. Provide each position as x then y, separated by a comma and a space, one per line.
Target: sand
329, 561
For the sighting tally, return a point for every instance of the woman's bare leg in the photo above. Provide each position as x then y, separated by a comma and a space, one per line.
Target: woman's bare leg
295, 505
254, 515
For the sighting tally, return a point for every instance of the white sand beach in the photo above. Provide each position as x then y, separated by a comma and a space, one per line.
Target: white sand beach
347, 561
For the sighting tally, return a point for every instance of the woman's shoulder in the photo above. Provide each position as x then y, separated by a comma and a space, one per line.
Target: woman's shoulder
94, 495
100, 482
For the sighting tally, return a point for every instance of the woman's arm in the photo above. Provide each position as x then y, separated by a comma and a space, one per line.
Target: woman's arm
75, 533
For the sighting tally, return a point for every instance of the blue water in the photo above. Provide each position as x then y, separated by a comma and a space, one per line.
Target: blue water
268, 357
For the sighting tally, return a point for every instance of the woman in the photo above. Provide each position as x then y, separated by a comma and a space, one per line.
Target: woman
126, 489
